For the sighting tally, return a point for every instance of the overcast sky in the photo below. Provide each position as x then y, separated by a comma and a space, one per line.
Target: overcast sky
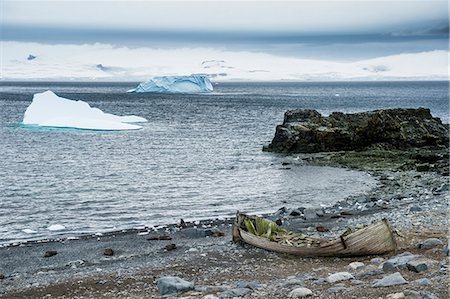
325, 29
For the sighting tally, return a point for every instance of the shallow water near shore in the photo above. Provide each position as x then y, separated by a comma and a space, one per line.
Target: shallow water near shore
198, 157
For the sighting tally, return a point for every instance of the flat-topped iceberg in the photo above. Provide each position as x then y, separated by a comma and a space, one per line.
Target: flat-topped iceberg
175, 84
49, 110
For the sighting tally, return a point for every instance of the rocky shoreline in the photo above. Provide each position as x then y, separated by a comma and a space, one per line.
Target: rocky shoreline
199, 260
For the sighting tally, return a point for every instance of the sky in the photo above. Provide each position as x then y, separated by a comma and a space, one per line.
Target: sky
337, 31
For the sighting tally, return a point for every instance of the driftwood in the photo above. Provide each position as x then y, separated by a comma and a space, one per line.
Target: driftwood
374, 239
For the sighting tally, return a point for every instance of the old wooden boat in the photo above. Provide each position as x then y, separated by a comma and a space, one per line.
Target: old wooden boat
373, 239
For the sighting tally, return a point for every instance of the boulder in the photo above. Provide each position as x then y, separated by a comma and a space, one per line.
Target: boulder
419, 265
395, 296
339, 276
300, 293
399, 261
356, 265
170, 285
430, 243
390, 280
307, 131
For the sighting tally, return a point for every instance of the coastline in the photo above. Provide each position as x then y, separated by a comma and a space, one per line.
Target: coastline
414, 202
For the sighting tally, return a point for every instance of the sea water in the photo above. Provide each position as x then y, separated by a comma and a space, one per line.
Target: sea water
198, 157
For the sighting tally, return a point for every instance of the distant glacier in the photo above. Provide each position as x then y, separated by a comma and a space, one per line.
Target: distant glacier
175, 84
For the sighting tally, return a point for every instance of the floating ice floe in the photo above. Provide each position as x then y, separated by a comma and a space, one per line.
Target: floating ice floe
29, 231
49, 110
55, 227
175, 84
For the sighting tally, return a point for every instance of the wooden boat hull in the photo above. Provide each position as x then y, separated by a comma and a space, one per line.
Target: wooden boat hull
374, 239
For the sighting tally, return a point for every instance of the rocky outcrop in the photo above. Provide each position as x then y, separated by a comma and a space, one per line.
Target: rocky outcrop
307, 131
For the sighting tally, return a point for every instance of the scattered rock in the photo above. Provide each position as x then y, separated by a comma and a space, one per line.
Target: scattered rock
295, 212
170, 247
31, 57
419, 265
170, 285
445, 250
253, 285
334, 290
356, 265
423, 282
396, 296
322, 229
357, 281
182, 223
390, 280
312, 213
412, 294
369, 270
415, 209
429, 243
377, 260
423, 167
2, 276
237, 292
442, 189
300, 293
428, 295
108, 252
399, 261
75, 264
50, 253
339, 276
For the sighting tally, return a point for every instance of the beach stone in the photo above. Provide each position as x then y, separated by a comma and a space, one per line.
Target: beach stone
210, 296
445, 250
356, 265
396, 296
377, 260
2, 276
357, 281
253, 285
423, 282
170, 285
369, 270
428, 295
311, 213
429, 243
295, 212
334, 290
300, 293
108, 252
412, 294
322, 229
399, 261
50, 253
419, 265
237, 292
390, 280
170, 247
443, 188
423, 167
415, 209
339, 276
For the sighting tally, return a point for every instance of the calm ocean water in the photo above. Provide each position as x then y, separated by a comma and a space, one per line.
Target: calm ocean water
199, 156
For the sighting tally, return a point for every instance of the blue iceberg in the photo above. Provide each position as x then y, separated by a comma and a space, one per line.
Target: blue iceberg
175, 84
